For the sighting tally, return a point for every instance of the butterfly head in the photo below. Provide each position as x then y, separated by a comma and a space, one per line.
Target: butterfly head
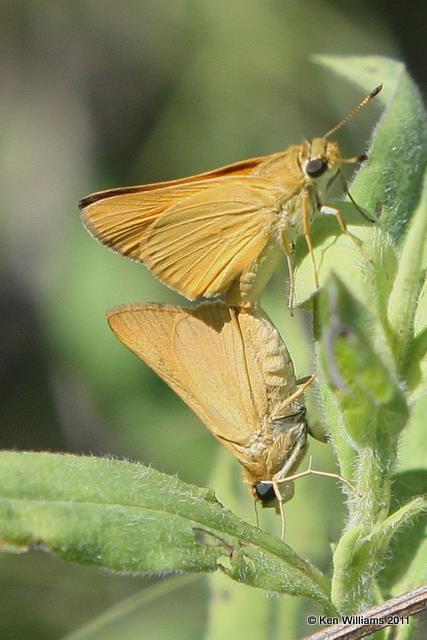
265, 493
284, 456
321, 161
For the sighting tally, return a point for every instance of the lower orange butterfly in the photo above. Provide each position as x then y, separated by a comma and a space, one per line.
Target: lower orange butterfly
232, 368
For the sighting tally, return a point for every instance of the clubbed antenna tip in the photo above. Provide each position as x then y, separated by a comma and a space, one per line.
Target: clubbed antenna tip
364, 102
376, 91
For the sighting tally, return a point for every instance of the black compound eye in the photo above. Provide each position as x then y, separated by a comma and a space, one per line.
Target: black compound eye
265, 492
314, 168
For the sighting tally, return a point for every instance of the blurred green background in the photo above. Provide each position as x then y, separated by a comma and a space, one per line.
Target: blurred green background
102, 94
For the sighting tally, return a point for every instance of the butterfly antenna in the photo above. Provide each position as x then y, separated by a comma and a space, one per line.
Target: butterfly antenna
364, 102
256, 513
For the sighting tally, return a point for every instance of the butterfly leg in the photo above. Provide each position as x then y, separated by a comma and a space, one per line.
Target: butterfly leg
347, 191
343, 226
305, 382
281, 410
284, 488
287, 246
313, 472
306, 211
280, 500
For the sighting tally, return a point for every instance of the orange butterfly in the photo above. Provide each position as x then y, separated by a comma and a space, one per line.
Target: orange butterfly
224, 229
232, 368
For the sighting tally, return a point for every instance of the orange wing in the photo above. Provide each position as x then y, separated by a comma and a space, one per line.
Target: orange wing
230, 367
121, 217
203, 242
167, 338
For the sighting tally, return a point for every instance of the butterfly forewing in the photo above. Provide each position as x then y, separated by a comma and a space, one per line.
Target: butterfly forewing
230, 366
203, 242
122, 220
120, 217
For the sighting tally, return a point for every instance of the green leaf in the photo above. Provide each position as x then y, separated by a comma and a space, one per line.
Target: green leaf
358, 556
389, 184
393, 177
102, 512
366, 72
406, 515
368, 392
345, 573
417, 362
406, 560
405, 566
412, 456
130, 518
407, 285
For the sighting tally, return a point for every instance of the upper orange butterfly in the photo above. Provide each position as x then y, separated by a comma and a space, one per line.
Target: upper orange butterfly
224, 230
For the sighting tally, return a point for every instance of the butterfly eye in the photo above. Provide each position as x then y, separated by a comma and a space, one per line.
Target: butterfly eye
265, 492
316, 167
